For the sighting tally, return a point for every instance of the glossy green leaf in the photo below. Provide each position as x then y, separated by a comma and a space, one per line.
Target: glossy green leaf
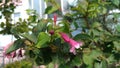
43, 39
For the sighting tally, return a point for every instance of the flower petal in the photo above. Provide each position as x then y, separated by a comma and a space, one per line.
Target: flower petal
73, 43
72, 50
65, 37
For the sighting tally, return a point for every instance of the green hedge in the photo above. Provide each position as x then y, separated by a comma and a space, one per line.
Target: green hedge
20, 64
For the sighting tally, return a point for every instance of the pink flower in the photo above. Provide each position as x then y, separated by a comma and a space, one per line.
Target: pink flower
73, 44
55, 18
20, 53
13, 54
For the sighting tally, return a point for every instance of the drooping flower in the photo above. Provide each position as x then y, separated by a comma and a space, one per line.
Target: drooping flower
55, 18
73, 44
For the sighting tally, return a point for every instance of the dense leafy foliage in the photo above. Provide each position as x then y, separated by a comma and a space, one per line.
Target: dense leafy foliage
94, 22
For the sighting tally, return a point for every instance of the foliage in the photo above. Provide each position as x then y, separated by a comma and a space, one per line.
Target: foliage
94, 25
24, 63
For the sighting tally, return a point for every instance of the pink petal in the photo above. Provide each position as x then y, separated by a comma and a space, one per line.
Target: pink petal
75, 44
13, 54
65, 37
72, 50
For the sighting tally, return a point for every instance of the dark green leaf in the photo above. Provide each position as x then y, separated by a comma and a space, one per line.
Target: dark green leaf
17, 44
82, 36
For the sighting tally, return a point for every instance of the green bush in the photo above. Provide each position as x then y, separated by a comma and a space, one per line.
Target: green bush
19, 64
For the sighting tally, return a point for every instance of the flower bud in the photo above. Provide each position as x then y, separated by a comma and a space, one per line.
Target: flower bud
51, 32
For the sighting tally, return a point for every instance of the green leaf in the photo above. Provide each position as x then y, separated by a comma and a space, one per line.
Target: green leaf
118, 28
77, 61
43, 38
90, 56
97, 65
41, 26
2, 24
30, 37
83, 4
96, 24
17, 44
76, 25
104, 64
88, 60
82, 36
63, 66
116, 2
117, 45
50, 9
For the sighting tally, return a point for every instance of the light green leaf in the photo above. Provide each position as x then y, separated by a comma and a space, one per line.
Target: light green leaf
83, 4
97, 65
104, 64
116, 2
43, 38
118, 28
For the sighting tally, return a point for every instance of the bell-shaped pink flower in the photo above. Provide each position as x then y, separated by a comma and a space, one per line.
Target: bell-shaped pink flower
55, 18
73, 44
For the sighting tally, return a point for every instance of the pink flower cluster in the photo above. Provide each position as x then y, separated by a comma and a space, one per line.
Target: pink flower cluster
73, 44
